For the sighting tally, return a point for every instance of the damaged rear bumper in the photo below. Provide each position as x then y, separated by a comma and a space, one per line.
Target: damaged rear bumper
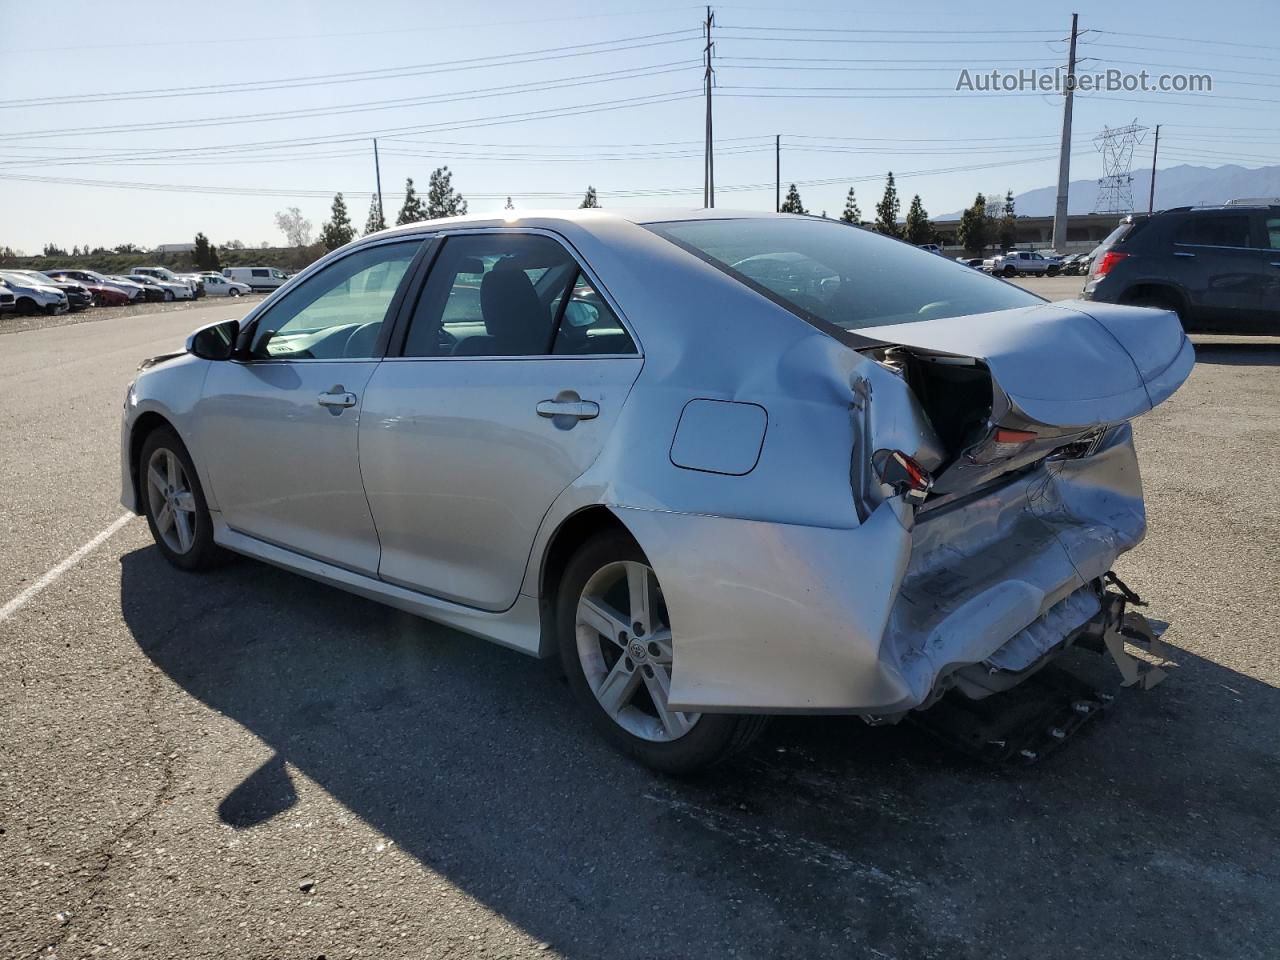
884, 618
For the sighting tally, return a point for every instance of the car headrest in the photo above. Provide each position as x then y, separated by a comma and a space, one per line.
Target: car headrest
512, 313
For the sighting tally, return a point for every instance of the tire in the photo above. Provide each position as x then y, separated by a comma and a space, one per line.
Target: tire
194, 550
234, 293
27, 307
1052, 271
168, 295
668, 741
1008, 272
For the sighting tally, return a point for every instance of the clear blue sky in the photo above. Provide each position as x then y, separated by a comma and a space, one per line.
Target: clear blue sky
851, 97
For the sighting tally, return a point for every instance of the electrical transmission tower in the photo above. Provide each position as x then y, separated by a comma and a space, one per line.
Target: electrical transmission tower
1115, 186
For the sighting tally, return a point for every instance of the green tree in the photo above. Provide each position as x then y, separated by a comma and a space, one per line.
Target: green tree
411, 210
1008, 228
589, 201
851, 212
375, 221
53, 250
974, 232
887, 209
792, 203
205, 255
442, 199
918, 228
337, 231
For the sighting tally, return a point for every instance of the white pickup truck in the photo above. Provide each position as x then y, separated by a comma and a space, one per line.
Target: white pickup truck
1014, 263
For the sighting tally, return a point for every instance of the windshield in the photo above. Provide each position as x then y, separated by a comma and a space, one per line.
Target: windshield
829, 271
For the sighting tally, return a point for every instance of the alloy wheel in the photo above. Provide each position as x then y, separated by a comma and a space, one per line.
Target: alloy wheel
173, 505
624, 646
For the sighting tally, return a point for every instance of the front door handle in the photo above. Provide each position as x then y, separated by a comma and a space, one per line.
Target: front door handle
1183, 253
336, 396
569, 405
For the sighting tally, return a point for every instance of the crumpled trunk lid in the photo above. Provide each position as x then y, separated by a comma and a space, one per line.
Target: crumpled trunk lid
1057, 375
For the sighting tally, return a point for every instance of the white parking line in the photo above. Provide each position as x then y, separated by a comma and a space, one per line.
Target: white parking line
18, 602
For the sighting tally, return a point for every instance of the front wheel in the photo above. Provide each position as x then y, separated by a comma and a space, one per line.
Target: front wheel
234, 292
616, 645
168, 295
1052, 271
1009, 272
174, 503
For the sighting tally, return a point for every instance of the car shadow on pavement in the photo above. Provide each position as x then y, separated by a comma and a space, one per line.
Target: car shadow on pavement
1239, 353
827, 837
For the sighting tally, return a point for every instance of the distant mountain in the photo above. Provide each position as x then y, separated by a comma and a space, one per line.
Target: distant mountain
1179, 186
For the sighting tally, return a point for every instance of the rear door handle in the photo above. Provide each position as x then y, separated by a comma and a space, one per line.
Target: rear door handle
337, 397
568, 404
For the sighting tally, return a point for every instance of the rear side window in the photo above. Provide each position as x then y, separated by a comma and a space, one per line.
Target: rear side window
1273, 232
1215, 230
511, 295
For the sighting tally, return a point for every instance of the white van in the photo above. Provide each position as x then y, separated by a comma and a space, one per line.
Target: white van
259, 278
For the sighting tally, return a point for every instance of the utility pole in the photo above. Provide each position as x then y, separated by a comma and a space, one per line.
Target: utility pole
377, 173
709, 171
1151, 197
1064, 156
777, 173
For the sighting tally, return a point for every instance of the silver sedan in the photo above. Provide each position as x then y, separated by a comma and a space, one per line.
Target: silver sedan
724, 465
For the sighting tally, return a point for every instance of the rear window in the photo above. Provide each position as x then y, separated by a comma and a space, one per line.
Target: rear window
833, 273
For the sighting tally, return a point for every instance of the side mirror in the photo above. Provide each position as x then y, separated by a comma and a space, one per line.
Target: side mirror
217, 341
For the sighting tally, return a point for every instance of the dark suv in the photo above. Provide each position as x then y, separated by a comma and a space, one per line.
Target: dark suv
1217, 267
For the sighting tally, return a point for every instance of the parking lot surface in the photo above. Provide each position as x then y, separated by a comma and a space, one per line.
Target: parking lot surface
247, 764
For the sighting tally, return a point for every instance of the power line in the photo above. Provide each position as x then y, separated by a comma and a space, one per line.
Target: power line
241, 39
382, 73
539, 86
443, 126
1154, 36
364, 194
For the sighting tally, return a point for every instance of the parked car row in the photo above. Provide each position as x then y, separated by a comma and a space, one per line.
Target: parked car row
59, 290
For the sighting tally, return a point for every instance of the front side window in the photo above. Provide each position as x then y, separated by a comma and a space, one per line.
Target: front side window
838, 274
510, 295
262, 273
1226, 230
338, 312
1273, 232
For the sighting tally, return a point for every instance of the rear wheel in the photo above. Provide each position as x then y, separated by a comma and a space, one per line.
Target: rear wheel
174, 503
616, 647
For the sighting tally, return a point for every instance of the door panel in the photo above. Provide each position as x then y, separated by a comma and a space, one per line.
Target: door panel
459, 465
279, 427
284, 467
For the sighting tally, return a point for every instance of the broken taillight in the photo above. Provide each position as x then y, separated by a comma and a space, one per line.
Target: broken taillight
1000, 444
1109, 260
901, 472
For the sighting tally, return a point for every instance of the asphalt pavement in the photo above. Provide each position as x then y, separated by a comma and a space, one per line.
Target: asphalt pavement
247, 764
